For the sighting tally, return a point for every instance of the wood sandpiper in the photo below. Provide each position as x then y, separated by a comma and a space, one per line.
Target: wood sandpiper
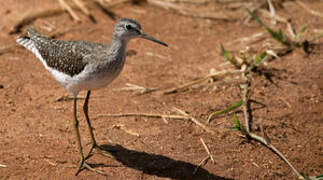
79, 65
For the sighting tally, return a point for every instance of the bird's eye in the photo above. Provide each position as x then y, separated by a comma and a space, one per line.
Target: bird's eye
128, 26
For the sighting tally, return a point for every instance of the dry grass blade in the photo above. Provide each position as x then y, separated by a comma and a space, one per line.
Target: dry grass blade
82, 6
103, 7
188, 12
69, 9
142, 90
204, 161
291, 30
250, 38
272, 12
285, 101
29, 18
192, 1
276, 17
184, 116
315, 13
272, 53
195, 121
3, 166
128, 131
69, 98
318, 31
144, 115
207, 150
16, 28
51, 163
200, 80
84, 9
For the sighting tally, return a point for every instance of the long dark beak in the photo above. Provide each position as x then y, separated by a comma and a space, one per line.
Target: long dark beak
146, 36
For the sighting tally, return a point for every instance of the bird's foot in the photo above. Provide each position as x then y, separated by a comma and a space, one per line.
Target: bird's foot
85, 165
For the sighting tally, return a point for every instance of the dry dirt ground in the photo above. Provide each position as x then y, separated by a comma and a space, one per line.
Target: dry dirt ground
36, 135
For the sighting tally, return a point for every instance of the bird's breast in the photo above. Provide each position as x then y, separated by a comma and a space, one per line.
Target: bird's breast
101, 74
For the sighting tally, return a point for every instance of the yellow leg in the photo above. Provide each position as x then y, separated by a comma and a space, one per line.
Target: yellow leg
83, 164
93, 141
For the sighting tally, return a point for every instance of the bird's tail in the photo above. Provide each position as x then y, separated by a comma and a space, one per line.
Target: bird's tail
27, 41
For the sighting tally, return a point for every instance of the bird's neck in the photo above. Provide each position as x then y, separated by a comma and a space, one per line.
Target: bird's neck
118, 46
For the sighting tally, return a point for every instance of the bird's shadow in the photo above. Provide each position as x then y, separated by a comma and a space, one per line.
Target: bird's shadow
158, 165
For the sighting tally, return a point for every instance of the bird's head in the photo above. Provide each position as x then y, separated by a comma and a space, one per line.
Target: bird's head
127, 29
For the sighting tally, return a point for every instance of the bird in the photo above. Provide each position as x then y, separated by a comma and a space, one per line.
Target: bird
85, 66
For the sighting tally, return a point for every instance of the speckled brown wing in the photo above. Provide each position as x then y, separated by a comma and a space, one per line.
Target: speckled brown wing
64, 56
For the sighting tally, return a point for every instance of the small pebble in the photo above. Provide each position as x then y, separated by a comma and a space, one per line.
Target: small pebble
8, 11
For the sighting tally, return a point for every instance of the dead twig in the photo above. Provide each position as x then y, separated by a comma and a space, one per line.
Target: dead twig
276, 16
250, 38
274, 149
188, 12
245, 90
102, 6
165, 120
3, 166
16, 28
29, 18
204, 161
128, 131
50, 162
84, 9
315, 13
207, 150
272, 12
69, 9
200, 80
192, 1
58, 163
184, 116
70, 98
144, 115
142, 90
320, 31
195, 121
285, 101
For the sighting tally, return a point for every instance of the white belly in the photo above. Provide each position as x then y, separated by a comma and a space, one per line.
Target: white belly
88, 79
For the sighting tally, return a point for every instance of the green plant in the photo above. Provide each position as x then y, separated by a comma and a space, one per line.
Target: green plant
281, 37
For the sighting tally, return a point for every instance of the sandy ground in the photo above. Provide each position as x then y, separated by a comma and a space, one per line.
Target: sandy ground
36, 135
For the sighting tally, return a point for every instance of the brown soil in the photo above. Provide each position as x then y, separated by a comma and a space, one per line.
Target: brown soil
36, 135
